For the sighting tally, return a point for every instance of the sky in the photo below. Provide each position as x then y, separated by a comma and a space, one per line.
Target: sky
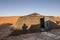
25, 7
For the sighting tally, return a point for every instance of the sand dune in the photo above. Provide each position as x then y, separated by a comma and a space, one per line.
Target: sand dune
9, 19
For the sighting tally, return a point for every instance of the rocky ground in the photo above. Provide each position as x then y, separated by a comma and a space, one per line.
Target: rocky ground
55, 31
37, 36
5, 34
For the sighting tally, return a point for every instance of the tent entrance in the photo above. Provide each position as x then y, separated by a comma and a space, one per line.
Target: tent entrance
42, 23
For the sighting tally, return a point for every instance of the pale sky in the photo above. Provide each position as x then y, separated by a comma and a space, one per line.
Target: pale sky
25, 7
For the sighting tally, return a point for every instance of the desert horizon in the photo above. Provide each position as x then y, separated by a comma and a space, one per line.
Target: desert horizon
29, 19
33, 17
28, 25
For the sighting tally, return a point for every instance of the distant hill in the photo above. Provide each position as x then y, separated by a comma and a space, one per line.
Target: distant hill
34, 14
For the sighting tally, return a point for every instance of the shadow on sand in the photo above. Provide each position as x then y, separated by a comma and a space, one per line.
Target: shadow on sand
7, 31
33, 29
